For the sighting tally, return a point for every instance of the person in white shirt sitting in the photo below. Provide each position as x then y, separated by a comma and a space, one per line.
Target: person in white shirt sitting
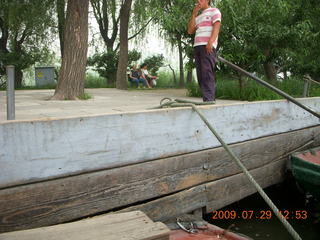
151, 80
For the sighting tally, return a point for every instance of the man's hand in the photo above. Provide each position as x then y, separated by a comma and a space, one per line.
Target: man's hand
209, 47
196, 10
213, 37
192, 21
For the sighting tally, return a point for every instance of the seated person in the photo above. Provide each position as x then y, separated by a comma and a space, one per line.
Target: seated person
151, 80
135, 78
128, 73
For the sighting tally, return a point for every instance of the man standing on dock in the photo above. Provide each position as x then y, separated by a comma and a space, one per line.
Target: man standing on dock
206, 26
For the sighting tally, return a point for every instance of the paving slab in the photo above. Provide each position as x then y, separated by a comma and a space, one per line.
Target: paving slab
35, 104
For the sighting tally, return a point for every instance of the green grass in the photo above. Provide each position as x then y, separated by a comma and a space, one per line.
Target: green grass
85, 96
165, 80
95, 81
228, 88
49, 86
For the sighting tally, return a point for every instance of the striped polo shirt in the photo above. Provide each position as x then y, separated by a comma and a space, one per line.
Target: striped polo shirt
204, 26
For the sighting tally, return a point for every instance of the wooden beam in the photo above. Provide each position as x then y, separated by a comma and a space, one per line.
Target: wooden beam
213, 195
226, 191
50, 149
121, 226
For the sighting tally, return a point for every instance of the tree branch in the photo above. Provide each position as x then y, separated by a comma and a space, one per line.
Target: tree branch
115, 22
117, 47
141, 29
23, 36
4, 36
105, 18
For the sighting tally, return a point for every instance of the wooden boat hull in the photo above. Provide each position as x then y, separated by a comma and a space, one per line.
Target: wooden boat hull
305, 167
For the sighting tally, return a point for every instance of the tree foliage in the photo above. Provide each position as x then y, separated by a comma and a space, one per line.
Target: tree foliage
268, 36
154, 63
25, 30
304, 57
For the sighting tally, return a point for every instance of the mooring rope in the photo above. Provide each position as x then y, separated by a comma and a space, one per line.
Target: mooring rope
167, 102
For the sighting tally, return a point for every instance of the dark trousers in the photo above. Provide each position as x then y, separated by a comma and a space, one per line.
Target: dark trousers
205, 65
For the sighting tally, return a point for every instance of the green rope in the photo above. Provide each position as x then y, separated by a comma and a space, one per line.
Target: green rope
171, 103
183, 103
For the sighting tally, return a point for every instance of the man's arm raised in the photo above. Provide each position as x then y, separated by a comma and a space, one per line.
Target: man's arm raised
192, 21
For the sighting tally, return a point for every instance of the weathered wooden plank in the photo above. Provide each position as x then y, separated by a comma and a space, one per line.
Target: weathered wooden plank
226, 191
49, 149
124, 226
213, 195
61, 200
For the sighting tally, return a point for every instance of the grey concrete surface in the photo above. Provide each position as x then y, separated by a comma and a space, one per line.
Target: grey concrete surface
35, 104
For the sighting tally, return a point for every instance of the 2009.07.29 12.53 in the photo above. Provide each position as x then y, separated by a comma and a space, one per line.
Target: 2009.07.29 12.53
262, 214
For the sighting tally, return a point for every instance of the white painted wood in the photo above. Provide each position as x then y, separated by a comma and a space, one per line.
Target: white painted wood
35, 150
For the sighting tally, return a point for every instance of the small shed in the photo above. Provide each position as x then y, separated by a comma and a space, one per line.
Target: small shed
44, 76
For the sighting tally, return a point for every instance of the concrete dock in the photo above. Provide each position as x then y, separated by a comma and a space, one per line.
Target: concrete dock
35, 104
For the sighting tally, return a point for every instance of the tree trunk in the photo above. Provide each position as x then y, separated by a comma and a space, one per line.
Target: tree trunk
61, 22
189, 77
181, 82
173, 75
121, 81
105, 12
270, 71
269, 68
241, 83
111, 80
3, 44
73, 68
3, 50
18, 76
190, 67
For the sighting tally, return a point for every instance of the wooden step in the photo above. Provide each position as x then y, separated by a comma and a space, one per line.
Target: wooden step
122, 226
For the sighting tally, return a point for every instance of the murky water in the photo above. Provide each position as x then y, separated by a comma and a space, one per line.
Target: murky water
252, 216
